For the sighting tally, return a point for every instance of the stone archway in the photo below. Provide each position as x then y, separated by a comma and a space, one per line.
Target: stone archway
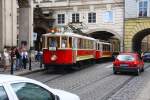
105, 35
108, 35
39, 30
114, 33
133, 28
137, 39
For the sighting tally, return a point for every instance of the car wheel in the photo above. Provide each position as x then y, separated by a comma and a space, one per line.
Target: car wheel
142, 70
138, 72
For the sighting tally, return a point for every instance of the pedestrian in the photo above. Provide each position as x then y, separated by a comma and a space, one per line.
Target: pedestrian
5, 59
38, 56
0, 56
64, 42
24, 56
18, 58
0, 60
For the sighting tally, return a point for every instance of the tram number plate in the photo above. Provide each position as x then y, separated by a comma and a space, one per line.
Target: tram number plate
123, 65
52, 48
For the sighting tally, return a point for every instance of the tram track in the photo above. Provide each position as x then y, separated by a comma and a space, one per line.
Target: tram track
62, 75
78, 87
106, 97
106, 76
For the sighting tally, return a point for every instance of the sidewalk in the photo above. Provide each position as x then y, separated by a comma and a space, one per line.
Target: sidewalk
34, 65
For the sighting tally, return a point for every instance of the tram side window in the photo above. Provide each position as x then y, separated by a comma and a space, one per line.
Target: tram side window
87, 44
64, 42
91, 44
70, 42
82, 44
108, 47
79, 43
75, 43
43, 42
104, 47
98, 46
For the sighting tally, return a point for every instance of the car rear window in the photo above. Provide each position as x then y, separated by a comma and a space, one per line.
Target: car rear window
125, 58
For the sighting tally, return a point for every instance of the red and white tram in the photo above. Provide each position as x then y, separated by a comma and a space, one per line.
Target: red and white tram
67, 48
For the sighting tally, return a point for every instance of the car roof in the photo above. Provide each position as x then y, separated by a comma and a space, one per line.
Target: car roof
128, 53
8, 78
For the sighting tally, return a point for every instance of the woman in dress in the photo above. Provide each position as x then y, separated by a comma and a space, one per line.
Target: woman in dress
6, 59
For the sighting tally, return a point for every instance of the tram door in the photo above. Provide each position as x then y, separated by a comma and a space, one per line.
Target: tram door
74, 48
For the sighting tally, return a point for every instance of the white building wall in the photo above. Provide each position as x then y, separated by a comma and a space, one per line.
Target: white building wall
83, 7
8, 19
131, 8
10, 23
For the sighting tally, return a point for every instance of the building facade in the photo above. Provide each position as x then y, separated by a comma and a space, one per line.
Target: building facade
100, 18
8, 23
137, 24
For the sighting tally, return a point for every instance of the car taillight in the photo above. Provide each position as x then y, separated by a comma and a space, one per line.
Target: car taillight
135, 63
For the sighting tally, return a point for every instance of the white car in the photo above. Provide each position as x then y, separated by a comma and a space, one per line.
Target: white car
21, 88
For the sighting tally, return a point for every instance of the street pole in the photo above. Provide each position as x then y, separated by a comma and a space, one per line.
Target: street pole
30, 67
40, 60
12, 62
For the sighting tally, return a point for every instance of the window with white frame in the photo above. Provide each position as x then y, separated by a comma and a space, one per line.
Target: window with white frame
108, 16
61, 18
92, 17
75, 17
143, 7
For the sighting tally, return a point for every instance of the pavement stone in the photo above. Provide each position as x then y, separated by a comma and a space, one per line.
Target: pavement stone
21, 72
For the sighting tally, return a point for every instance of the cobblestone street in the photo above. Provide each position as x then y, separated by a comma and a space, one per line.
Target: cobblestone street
97, 82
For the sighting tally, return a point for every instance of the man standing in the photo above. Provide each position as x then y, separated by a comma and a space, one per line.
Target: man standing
24, 56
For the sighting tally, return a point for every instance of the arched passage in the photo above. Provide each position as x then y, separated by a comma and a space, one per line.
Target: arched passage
108, 37
39, 31
137, 39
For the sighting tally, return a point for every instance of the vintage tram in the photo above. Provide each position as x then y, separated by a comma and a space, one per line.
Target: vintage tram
61, 47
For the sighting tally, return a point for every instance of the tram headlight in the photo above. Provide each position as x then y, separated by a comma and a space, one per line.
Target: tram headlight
54, 57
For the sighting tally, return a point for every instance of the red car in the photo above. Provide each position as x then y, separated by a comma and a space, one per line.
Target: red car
128, 62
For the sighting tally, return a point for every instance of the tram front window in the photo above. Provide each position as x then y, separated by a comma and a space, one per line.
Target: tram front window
53, 42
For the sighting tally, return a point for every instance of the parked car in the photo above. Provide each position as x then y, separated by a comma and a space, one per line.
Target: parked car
146, 56
128, 62
20, 88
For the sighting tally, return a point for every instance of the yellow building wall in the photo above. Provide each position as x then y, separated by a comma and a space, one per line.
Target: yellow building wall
133, 26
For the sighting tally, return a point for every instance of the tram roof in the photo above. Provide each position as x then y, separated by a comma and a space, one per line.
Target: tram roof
70, 35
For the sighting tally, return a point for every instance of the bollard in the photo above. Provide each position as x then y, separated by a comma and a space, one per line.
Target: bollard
30, 67
41, 62
12, 63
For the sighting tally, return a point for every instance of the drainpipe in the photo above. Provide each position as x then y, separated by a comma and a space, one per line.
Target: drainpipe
124, 26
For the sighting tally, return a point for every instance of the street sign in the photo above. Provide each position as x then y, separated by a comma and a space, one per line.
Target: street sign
34, 36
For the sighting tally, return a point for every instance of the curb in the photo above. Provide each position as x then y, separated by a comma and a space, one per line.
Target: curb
28, 72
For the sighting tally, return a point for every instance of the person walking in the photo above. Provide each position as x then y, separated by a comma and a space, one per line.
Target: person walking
24, 56
6, 59
18, 58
